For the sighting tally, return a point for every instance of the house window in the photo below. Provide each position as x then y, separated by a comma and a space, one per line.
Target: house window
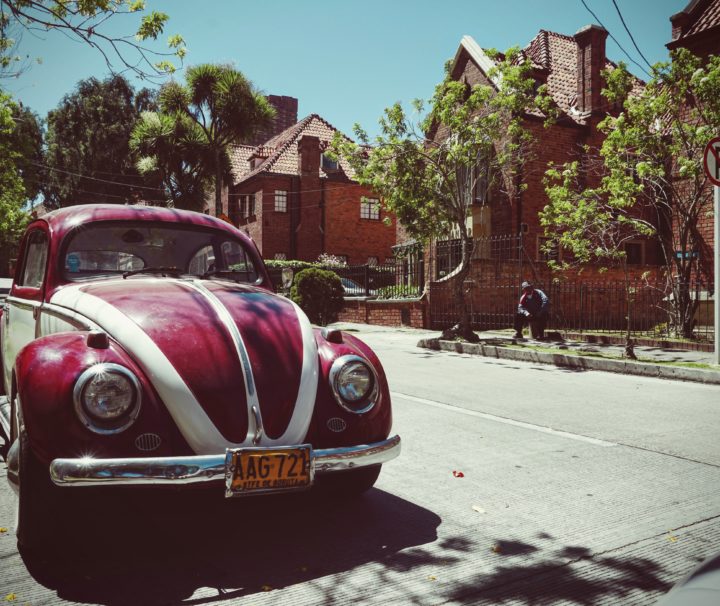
372, 261
328, 164
634, 253
280, 256
247, 206
370, 209
280, 201
547, 249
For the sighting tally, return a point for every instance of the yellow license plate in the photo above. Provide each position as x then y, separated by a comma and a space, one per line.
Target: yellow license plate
254, 470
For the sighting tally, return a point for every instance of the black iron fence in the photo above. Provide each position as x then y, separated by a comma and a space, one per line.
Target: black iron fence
602, 307
403, 279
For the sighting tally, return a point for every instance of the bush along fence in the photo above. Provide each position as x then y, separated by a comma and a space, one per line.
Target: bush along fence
404, 279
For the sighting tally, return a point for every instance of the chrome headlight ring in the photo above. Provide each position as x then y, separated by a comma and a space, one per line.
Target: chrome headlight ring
354, 384
96, 410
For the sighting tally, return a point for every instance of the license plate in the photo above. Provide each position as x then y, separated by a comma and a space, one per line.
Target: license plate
257, 470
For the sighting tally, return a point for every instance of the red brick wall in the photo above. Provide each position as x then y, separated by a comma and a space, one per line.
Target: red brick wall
347, 234
384, 313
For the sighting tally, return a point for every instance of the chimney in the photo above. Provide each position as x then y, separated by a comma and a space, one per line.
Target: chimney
590, 42
286, 111
309, 156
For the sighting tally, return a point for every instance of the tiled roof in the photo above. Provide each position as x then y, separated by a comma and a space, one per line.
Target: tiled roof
556, 54
706, 19
282, 150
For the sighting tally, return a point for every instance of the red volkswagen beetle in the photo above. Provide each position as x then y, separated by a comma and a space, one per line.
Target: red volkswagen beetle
145, 346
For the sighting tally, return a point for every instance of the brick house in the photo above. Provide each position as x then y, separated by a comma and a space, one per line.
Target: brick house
697, 28
296, 202
571, 68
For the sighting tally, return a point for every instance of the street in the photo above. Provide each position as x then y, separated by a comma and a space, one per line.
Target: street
518, 484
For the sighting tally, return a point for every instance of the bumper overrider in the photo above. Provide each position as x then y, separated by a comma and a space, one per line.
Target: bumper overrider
176, 471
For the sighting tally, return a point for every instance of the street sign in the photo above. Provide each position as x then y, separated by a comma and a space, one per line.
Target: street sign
711, 161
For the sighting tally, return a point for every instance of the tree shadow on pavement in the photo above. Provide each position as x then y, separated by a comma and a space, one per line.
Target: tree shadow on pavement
567, 575
163, 549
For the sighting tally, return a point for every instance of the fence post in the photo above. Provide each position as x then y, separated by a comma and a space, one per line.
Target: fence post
421, 266
367, 279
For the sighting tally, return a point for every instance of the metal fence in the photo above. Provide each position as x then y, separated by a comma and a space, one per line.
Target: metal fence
403, 279
601, 307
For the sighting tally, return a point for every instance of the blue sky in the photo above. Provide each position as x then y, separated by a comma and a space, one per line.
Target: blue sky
346, 59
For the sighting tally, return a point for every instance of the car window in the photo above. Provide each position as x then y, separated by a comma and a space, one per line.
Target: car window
106, 249
33, 273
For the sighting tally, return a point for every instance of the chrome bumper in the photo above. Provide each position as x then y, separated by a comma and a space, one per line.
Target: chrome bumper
174, 471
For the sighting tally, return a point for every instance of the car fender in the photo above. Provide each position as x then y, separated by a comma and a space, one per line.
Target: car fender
46, 371
373, 426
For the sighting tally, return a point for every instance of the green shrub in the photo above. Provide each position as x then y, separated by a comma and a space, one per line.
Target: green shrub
319, 293
398, 292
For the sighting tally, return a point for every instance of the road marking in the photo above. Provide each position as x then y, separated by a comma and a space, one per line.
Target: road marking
506, 421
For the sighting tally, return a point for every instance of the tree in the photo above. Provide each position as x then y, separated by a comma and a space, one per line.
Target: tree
88, 153
27, 140
13, 218
224, 107
652, 159
172, 148
592, 224
428, 174
85, 21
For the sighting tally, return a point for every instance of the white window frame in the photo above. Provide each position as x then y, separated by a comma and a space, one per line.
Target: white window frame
280, 201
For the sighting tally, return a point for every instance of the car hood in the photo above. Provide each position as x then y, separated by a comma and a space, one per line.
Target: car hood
234, 364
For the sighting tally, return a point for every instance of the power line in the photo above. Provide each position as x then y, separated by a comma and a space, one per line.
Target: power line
617, 8
620, 46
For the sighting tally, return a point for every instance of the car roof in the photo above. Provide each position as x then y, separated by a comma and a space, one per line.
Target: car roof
63, 220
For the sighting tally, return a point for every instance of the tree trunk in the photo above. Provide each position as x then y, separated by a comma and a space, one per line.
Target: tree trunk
463, 328
218, 184
630, 300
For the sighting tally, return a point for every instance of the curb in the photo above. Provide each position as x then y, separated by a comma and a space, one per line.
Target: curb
627, 367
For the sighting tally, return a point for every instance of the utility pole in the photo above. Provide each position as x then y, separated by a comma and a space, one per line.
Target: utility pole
711, 162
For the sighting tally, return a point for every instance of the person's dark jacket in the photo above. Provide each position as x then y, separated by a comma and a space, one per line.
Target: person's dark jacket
535, 303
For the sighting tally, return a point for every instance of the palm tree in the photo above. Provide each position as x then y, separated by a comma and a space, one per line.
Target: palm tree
224, 105
173, 148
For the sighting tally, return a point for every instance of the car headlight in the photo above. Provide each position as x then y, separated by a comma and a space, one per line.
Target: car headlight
354, 384
107, 398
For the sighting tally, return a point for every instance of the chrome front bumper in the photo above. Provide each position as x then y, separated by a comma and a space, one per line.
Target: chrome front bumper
174, 471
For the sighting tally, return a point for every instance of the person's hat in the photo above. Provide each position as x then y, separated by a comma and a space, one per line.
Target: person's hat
526, 285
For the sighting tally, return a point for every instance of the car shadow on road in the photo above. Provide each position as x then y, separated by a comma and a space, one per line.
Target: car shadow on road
160, 550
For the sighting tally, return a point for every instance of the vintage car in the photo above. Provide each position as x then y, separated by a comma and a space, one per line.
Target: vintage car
145, 346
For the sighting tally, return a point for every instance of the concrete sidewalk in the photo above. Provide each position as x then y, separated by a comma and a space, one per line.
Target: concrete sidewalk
659, 362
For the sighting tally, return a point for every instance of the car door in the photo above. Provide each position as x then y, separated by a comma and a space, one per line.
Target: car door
21, 310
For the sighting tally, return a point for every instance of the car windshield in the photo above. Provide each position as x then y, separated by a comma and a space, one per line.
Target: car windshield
131, 248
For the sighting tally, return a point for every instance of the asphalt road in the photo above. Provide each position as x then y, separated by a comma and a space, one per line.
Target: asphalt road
518, 484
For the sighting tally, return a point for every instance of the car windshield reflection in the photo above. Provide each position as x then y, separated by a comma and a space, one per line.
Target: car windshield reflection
127, 249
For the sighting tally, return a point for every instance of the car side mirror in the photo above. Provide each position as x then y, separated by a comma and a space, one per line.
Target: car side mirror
287, 276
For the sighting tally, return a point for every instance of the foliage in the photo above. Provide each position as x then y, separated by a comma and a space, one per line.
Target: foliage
88, 153
292, 264
85, 21
472, 142
216, 107
398, 292
27, 140
651, 167
328, 260
13, 218
319, 293
172, 149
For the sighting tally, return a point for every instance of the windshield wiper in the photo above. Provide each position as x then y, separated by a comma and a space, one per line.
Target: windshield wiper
163, 271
